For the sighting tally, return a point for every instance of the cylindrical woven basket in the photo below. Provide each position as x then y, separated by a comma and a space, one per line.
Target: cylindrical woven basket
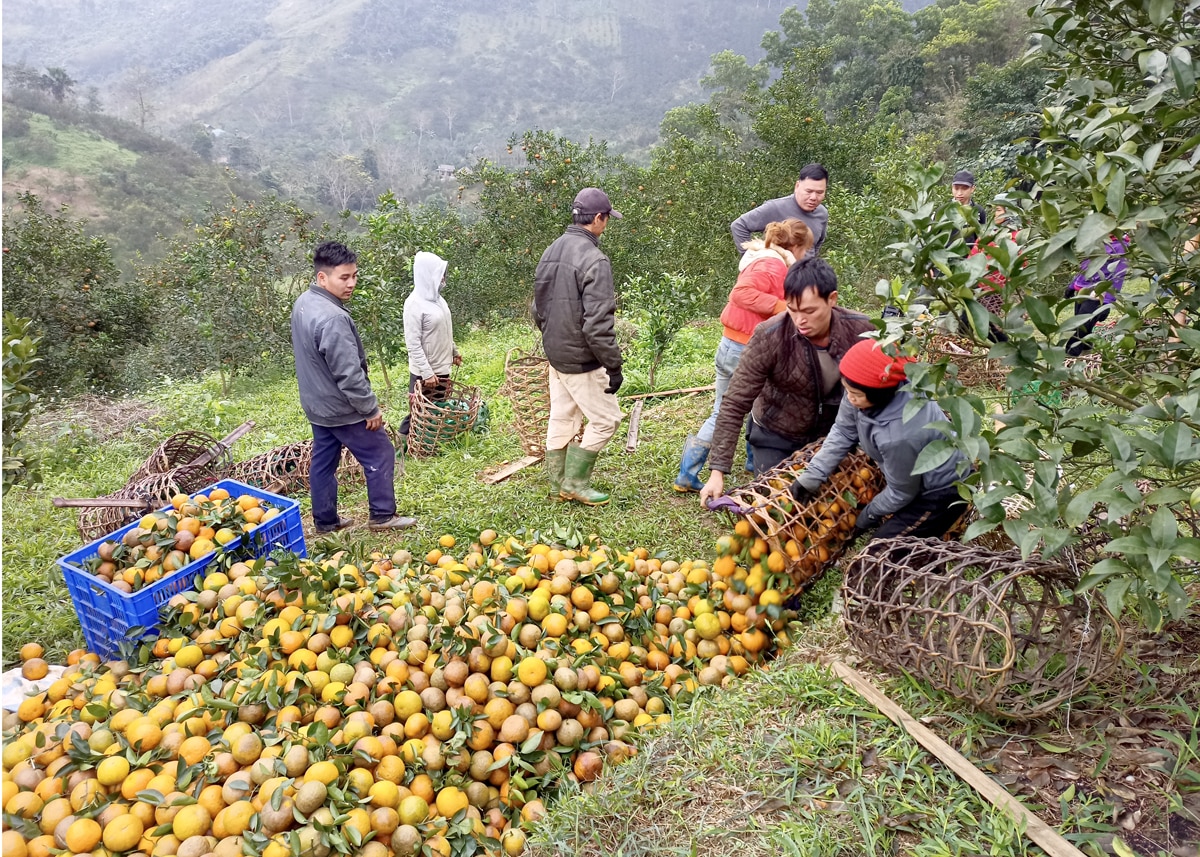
1006, 634
166, 471
154, 489
527, 386
811, 535
183, 448
437, 418
282, 470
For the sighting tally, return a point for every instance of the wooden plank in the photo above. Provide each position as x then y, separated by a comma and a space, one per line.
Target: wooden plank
1037, 830
509, 469
678, 392
635, 422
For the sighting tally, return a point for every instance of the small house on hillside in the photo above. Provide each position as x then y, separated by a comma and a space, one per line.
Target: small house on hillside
445, 172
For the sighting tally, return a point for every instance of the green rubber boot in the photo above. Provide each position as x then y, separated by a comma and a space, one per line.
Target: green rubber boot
577, 477
555, 460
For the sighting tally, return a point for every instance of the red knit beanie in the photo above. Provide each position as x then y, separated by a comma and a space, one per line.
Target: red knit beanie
866, 365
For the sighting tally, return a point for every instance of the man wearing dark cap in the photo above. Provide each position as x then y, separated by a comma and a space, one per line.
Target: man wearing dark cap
574, 306
963, 188
803, 203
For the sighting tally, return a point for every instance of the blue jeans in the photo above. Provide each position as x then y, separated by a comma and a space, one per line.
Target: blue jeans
728, 355
374, 452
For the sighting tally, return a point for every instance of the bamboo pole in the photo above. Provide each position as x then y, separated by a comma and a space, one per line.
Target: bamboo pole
1037, 830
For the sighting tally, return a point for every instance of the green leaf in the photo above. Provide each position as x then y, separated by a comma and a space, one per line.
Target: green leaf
934, 455
1055, 252
1177, 444
1180, 62
1096, 227
1053, 748
1040, 314
1118, 844
1159, 11
1164, 529
1115, 197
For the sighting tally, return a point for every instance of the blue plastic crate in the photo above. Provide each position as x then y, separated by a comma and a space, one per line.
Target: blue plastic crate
108, 615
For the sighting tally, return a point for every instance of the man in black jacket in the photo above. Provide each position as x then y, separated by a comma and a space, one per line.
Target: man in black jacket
574, 306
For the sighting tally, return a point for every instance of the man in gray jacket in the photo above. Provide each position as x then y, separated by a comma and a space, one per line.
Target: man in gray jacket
804, 203
335, 392
574, 306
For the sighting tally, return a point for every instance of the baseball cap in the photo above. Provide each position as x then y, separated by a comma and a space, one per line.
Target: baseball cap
964, 177
592, 200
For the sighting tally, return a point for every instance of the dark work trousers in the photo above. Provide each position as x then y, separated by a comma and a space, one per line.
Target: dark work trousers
374, 452
435, 395
1084, 306
768, 448
930, 516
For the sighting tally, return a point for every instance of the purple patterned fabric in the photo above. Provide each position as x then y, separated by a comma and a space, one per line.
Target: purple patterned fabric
1113, 270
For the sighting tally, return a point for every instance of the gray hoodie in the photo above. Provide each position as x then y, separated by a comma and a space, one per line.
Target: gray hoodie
894, 444
331, 365
428, 330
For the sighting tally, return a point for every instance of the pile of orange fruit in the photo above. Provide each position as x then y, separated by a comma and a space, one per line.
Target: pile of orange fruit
165, 542
379, 704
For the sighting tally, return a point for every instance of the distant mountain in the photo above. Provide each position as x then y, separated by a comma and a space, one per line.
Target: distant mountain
339, 98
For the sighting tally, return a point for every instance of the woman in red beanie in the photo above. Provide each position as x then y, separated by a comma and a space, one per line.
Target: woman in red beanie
871, 415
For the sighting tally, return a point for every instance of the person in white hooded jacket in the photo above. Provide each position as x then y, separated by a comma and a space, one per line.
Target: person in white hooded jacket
428, 329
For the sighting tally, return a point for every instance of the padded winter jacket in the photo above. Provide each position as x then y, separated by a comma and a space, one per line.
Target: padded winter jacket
758, 294
778, 378
893, 443
331, 364
574, 305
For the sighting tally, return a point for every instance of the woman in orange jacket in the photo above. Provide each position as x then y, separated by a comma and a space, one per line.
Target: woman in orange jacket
756, 297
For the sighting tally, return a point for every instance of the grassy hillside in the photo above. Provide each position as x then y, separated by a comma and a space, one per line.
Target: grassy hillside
132, 186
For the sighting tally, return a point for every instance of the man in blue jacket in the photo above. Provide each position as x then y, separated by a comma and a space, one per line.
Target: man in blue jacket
335, 392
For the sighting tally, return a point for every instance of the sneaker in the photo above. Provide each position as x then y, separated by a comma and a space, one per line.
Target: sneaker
341, 524
396, 522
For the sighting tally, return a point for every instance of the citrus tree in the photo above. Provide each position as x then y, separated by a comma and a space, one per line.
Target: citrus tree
1117, 459
20, 360
226, 288
65, 281
660, 306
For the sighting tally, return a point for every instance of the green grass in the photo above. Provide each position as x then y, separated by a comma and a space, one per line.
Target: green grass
788, 761
84, 152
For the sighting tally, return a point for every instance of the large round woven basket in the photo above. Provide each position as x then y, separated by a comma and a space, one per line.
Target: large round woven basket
440, 415
814, 534
281, 470
1006, 634
183, 448
527, 386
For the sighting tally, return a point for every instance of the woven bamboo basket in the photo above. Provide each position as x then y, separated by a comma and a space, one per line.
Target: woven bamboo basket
154, 490
439, 416
282, 470
810, 535
167, 471
184, 448
527, 386
1005, 634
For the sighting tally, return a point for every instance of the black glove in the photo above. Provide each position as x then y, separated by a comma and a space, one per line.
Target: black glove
615, 380
866, 520
801, 494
